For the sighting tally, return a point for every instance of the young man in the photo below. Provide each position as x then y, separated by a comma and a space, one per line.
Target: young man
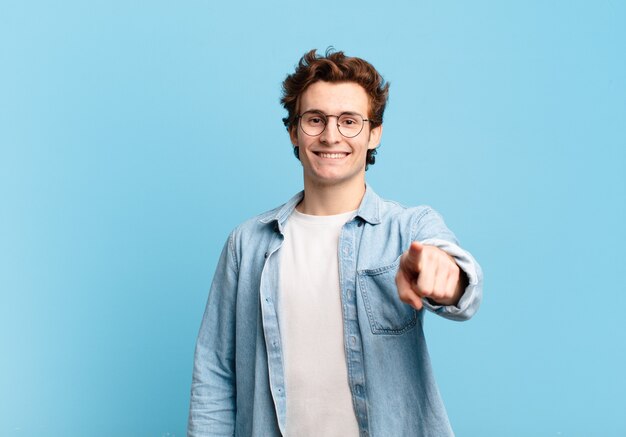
313, 325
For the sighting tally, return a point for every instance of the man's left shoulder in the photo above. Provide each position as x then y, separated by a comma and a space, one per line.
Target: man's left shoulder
392, 210
419, 222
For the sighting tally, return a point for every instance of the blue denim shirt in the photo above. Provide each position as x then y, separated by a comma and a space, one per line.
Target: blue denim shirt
238, 386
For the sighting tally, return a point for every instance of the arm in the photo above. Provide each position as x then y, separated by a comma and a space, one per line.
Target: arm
213, 389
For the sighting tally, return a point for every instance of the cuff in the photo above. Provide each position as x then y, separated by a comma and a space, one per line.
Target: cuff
472, 295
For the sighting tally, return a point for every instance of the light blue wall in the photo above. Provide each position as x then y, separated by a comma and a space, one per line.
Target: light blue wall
124, 124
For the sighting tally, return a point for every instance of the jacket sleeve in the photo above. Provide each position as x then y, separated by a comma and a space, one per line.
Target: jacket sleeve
213, 389
431, 230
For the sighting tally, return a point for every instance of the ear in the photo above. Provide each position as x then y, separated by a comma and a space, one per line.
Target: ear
293, 135
375, 135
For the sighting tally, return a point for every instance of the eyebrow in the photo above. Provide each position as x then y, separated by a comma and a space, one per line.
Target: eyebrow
341, 113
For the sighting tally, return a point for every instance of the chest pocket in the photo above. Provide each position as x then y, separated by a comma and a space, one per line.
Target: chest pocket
387, 314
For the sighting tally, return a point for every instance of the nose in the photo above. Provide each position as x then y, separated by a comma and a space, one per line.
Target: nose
331, 133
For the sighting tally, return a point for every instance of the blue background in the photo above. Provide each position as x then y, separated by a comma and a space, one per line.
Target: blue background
135, 135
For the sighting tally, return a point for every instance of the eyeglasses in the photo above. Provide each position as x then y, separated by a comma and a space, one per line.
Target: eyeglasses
313, 123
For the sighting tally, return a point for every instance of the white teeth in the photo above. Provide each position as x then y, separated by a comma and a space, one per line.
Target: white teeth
333, 155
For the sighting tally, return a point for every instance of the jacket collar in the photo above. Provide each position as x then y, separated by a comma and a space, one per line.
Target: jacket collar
369, 209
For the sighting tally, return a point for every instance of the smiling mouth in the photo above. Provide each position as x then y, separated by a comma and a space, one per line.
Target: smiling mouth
332, 155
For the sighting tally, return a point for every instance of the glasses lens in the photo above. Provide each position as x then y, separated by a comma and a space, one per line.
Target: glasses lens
350, 125
312, 123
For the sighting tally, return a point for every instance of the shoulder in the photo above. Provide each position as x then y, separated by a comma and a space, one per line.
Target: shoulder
268, 220
257, 224
391, 211
420, 222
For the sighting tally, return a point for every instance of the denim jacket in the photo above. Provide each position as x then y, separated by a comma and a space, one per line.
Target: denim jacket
238, 386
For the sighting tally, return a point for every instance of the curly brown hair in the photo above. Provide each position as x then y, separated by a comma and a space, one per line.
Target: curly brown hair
335, 67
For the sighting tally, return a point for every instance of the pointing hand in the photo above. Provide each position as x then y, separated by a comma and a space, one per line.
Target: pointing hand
429, 272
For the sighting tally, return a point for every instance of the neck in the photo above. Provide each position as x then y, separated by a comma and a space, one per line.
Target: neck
331, 200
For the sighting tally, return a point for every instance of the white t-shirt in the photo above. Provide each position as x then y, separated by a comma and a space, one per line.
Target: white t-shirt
318, 397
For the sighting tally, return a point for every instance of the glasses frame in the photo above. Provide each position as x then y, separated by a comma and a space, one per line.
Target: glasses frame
326, 117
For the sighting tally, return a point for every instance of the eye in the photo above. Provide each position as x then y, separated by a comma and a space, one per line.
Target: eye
314, 119
349, 121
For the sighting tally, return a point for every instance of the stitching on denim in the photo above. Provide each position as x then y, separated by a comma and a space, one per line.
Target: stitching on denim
416, 221
232, 250
376, 328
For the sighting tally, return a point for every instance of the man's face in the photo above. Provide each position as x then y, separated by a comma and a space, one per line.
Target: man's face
330, 159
